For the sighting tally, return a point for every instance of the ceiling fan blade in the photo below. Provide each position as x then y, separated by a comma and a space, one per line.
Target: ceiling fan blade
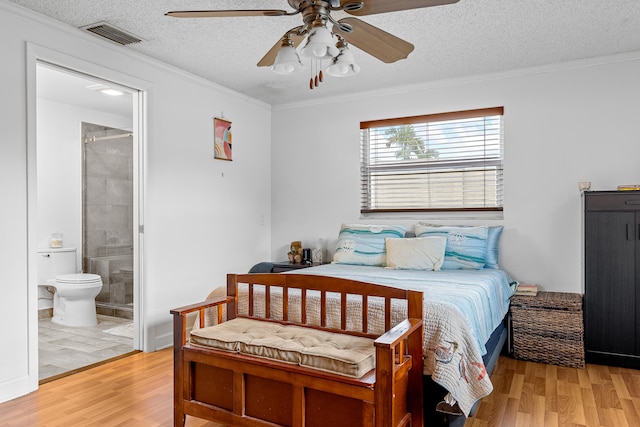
372, 7
270, 57
224, 13
376, 42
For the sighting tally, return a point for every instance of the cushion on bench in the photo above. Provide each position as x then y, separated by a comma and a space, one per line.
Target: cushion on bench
326, 351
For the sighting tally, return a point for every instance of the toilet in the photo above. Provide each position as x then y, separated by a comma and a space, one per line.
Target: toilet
74, 301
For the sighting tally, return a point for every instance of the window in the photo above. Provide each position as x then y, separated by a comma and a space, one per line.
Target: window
438, 162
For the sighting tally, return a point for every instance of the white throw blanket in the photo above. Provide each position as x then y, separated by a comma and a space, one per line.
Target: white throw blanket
452, 358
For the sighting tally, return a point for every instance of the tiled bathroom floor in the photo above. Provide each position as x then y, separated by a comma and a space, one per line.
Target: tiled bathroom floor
63, 348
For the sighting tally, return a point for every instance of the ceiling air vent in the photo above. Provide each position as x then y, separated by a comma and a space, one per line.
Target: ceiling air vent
112, 33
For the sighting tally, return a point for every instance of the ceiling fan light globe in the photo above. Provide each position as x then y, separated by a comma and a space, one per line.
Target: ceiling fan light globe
339, 70
343, 65
287, 61
286, 69
319, 51
319, 44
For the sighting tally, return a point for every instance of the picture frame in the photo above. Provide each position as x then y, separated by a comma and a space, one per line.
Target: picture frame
222, 140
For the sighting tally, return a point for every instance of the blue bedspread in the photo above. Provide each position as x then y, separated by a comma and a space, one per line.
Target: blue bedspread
481, 296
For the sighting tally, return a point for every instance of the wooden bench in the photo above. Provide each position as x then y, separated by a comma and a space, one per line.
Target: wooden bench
247, 390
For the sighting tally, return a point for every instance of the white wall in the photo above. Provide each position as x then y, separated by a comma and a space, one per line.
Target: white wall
203, 217
562, 124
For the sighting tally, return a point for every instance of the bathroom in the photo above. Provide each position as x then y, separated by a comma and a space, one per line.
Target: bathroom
85, 200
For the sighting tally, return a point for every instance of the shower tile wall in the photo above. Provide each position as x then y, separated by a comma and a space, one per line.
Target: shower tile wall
108, 217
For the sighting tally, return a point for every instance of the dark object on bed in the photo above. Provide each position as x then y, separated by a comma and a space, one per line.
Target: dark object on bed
256, 388
262, 267
548, 328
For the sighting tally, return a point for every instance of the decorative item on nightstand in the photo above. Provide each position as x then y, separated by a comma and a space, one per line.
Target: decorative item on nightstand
548, 328
295, 252
306, 256
317, 253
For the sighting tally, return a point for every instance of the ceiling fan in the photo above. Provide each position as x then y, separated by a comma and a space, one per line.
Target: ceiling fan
317, 42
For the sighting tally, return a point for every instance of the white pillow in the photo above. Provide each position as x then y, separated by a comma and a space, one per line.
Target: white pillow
418, 253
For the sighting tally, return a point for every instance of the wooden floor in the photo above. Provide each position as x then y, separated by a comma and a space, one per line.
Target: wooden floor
534, 394
137, 391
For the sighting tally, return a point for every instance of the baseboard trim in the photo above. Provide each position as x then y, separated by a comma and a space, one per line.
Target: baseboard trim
15, 388
613, 359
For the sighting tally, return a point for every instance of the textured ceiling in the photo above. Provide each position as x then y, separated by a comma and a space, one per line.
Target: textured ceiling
466, 38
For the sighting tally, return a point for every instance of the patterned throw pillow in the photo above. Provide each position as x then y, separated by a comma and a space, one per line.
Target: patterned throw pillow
363, 244
493, 244
466, 246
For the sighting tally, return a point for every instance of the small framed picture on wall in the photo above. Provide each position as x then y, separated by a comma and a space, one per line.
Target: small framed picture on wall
222, 139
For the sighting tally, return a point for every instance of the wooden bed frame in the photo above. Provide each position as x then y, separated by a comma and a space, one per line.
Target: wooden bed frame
245, 390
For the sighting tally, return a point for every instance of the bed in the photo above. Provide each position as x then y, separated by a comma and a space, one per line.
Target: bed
466, 301
464, 330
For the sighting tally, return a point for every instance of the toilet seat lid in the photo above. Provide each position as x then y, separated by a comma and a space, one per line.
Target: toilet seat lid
80, 278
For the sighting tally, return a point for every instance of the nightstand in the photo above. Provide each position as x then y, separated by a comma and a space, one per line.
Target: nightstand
548, 328
279, 267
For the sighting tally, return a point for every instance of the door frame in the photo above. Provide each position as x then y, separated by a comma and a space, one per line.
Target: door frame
36, 54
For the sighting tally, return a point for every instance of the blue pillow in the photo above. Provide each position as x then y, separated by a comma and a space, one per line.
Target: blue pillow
466, 246
493, 243
363, 244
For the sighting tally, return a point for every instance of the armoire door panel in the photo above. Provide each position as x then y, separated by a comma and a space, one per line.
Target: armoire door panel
610, 282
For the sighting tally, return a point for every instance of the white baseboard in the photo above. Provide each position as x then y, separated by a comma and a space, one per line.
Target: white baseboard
164, 341
15, 388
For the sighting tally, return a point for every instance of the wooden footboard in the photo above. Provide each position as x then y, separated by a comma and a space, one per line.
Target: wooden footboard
245, 390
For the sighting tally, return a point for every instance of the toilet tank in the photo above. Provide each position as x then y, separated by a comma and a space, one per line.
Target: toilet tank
53, 262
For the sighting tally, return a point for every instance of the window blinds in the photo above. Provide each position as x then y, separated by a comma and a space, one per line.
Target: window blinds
449, 161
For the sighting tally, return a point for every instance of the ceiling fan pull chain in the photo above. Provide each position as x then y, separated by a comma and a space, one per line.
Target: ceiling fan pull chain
318, 72
315, 71
314, 68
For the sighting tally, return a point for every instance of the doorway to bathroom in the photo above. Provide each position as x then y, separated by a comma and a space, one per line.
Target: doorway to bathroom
88, 187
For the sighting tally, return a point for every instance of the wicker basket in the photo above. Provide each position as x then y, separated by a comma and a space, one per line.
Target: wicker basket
548, 328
